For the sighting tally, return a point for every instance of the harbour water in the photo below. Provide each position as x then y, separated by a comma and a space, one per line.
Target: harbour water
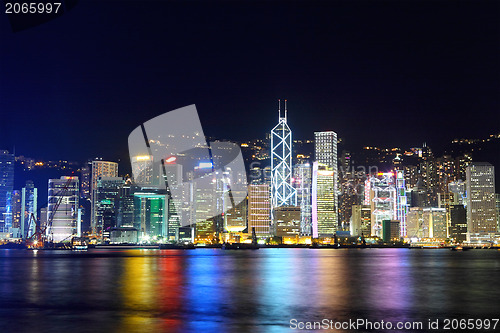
212, 290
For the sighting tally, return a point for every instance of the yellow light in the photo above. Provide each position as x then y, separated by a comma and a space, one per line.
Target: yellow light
143, 158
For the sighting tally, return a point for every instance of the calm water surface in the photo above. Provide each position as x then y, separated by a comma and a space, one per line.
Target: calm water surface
211, 290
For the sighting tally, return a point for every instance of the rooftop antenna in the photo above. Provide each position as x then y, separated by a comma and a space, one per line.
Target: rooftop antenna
286, 111
279, 108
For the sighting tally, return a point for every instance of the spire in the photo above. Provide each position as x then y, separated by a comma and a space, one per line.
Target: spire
286, 111
279, 109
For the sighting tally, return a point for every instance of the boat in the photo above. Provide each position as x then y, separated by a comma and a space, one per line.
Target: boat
459, 248
79, 244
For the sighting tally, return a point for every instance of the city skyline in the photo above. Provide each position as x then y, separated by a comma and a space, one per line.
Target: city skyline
227, 166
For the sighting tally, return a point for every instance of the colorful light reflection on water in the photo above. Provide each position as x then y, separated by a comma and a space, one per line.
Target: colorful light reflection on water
211, 290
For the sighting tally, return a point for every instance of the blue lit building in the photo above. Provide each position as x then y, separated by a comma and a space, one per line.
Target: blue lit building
6, 185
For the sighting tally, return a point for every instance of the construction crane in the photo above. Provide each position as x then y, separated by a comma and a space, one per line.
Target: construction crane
38, 239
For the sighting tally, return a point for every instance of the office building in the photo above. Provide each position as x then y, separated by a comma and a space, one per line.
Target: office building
282, 191
99, 169
481, 209
302, 175
62, 209
143, 170
151, 214
6, 186
382, 200
106, 204
16, 212
259, 210
361, 220
125, 216
287, 221
458, 223
325, 153
435, 223
415, 223
391, 230
28, 209
324, 214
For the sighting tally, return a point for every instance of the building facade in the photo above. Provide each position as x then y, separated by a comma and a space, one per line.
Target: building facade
481, 209
99, 169
62, 209
325, 153
259, 210
324, 214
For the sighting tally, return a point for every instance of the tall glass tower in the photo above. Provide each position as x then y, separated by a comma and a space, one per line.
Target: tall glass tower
282, 191
28, 208
325, 153
481, 210
6, 186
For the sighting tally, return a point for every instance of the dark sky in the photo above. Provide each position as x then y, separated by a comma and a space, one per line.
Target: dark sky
378, 73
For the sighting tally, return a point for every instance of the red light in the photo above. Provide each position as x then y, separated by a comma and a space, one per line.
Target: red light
171, 159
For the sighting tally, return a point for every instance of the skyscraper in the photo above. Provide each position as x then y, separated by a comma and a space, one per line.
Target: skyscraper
142, 169
85, 180
16, 212
259, 209
360, 220
401, 201
151, 214
6, 185
325, 153
324, 215
99, 169
458, 223
382, 200
125, 216
64, 217
302, 174
481, 210
282, 191
28, 208
106, 204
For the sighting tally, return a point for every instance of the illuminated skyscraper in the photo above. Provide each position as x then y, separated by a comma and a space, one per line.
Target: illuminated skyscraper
65, 191
401, 202
107, 204
6, 185
259, 209
99, 169
361, 220
282, 191
324, 215
302, 174
325, 153
287, 221
16, 211
435, 223
125, 216
85, 180
28, 207
142, 169
497, 204
481, 210
151, 214
383, 201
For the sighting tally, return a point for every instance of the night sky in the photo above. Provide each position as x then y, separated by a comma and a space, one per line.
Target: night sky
378, 73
